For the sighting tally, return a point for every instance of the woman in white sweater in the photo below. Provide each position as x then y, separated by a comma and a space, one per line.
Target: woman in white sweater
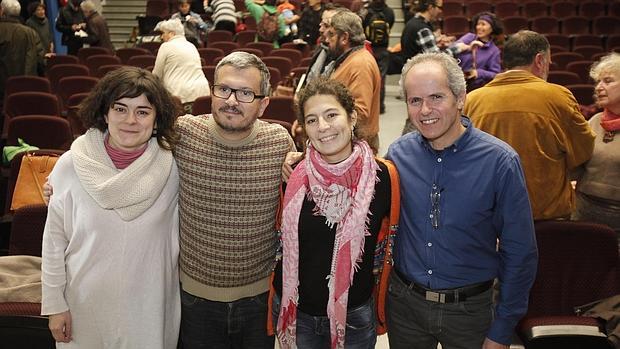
110, 245
178, 65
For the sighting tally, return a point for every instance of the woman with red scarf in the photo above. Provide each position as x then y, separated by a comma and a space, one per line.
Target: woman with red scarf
598, 189
332, 210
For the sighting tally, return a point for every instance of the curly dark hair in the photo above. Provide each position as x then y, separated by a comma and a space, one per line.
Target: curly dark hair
131, 82
324, 86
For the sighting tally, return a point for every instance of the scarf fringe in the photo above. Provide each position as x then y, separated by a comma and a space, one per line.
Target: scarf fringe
326, 184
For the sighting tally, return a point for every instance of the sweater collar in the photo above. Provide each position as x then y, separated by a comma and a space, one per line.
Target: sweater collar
129, 192
515, 76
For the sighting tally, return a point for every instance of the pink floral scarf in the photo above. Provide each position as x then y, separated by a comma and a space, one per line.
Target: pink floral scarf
342, 193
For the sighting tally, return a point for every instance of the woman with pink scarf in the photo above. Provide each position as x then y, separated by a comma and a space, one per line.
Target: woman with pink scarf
598, 188
332, 210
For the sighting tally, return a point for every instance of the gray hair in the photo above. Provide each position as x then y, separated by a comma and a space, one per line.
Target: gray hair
348, 22
456, 79
609, 63
11, 8
88, 5
172, 25
245, 60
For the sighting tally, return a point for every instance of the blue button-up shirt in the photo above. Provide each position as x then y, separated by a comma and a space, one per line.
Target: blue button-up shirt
482, 199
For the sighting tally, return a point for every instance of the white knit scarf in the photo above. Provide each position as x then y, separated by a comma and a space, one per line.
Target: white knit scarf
342, 193
130, 191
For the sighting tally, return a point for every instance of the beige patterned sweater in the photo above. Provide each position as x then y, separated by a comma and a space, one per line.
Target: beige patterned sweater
227, 205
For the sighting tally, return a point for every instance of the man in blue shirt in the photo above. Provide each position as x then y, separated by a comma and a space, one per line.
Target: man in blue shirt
465, 221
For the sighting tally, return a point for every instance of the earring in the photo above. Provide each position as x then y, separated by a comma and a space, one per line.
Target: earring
154, 132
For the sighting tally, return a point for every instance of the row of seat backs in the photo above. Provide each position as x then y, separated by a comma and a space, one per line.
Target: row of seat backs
578, 264
558, 9
576, 42
601, 25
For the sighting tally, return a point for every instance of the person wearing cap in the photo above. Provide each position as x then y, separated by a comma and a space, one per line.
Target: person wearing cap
483, 61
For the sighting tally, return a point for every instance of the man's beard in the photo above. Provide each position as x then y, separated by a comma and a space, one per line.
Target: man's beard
229, 128
335, 53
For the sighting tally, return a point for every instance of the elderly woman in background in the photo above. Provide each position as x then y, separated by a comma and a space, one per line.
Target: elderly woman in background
334, 203
110, 246
38, 21
483, 61
598, 187
178, 65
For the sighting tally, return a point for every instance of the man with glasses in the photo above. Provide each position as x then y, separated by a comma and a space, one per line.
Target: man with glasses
465, 221
229, 167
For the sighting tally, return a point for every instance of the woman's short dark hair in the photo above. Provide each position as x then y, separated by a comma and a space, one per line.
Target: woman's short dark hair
131, 82
323, 86
33, 6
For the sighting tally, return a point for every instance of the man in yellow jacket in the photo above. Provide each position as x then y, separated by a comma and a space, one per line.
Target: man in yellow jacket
540, 120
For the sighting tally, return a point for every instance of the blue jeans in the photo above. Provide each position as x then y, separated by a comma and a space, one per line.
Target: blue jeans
233, 325
414, 322
313, 331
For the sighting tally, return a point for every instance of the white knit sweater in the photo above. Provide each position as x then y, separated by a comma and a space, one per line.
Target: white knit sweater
119, 279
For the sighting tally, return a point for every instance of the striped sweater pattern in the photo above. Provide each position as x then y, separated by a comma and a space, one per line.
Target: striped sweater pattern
228, 199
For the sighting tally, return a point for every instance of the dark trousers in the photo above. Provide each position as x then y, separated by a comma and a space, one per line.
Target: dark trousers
415, 322
313, 332
233, 325
73, 45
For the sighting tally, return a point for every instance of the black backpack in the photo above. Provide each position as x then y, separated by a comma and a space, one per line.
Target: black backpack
377, 30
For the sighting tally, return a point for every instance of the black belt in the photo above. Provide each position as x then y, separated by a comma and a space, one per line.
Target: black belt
445, 296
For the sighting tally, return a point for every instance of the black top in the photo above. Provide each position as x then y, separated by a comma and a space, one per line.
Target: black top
309, 24
408, 40
316, 245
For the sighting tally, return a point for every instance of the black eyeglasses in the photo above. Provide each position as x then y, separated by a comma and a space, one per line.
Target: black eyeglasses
243, 96
439, 6
434, 215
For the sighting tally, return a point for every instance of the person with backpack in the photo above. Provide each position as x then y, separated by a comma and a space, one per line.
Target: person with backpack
270, 25
377, 24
